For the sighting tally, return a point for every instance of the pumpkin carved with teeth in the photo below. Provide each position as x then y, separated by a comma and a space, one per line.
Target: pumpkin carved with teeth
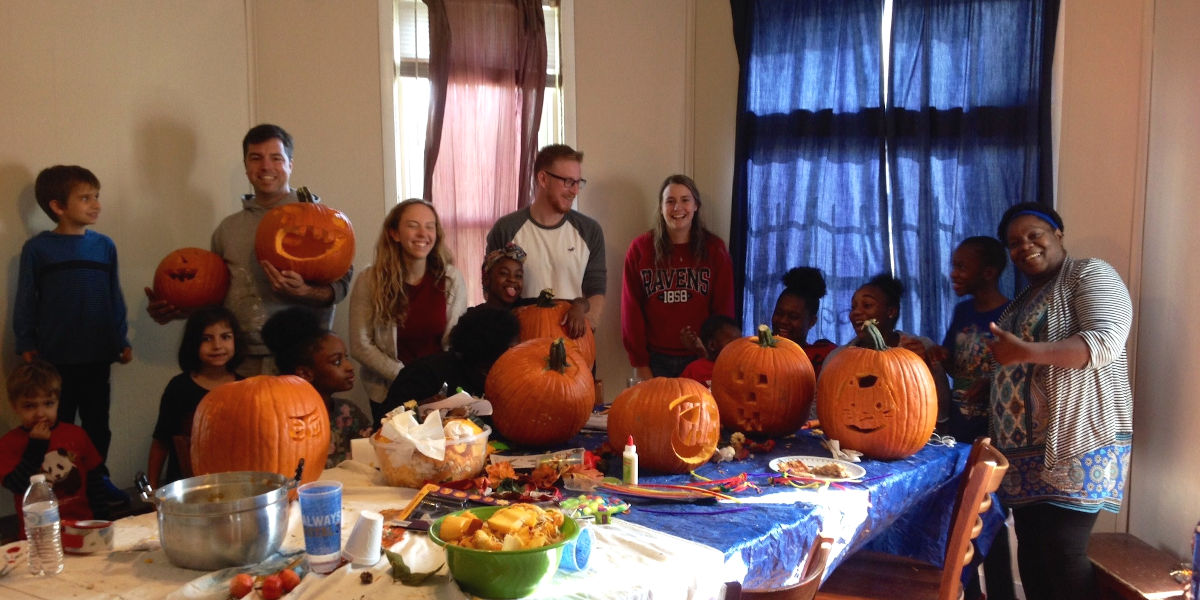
674, 422
191, 278
264, 423
763, 384
878, 400
309, 238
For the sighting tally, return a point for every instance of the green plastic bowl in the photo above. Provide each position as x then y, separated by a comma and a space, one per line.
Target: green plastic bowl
502, 573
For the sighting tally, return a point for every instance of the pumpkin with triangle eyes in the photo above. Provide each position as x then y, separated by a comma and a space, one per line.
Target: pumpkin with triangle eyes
763, 384
309, 238
264, 423
674, 422
191, 278
878, 400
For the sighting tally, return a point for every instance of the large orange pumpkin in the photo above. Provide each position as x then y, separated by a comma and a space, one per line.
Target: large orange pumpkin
878, 400
544, 318
763, 384
541, 392
673, 421
191, 278
264, 423
309, 238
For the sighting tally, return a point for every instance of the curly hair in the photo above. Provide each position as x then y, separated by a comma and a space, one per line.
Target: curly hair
1036, 209
991, 251
697, 235
891, 287
806, 283
389, 302
293, 335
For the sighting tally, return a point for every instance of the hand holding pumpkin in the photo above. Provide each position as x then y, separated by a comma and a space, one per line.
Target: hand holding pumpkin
162, 311
290, 284
575, 321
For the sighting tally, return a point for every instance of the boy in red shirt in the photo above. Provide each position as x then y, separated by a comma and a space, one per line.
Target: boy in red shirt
41, 444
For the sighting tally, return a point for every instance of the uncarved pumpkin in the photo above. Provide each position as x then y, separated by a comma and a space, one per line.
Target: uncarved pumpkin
763, 384
878, 400
673, 421
264, 423
541, 392
543, 319
191, 278
309, 238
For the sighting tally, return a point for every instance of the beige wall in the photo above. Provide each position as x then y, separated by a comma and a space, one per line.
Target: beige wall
155, 97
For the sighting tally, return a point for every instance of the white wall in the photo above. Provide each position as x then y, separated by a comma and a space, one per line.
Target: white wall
1166, 495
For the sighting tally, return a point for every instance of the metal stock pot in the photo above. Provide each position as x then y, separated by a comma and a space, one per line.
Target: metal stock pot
223, 519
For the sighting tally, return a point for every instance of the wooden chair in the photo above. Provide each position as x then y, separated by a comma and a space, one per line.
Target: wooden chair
867, 575
818, 557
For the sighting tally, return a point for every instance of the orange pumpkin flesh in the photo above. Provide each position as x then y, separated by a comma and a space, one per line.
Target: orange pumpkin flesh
264, 423
878, 400
311, 239
541, 393
191, 278
674, 421
543, 319
763, 384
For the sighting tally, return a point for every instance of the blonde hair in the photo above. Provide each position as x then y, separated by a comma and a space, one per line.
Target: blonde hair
389, 302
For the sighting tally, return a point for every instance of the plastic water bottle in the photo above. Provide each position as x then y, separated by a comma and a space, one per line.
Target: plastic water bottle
42, 528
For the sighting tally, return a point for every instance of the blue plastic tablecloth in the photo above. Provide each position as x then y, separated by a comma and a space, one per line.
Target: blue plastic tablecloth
765, 535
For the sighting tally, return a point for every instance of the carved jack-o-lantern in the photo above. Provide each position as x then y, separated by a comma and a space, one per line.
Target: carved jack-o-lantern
674, 422
311, 239
763, 384
264, 423
880, 401
191, 278
541, 392
544, 319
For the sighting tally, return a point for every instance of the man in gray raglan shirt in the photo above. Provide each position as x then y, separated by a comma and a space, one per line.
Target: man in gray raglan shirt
565, 249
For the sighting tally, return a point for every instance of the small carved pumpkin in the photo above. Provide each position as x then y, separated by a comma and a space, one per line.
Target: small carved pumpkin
309, 238
264, 423
673, 421
544, 318
191, 278
541, 392
878, 400
763, 384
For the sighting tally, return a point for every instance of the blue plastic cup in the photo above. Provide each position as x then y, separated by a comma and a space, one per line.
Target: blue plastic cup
577, 551
321, 515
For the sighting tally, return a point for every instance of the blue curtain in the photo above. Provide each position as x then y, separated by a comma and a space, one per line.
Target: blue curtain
808, 185
968, 134
965, 135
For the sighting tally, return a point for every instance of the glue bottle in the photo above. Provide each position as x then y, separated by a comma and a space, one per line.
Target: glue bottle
629, 463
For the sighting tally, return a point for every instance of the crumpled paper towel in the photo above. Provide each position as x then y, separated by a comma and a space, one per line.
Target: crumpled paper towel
407, 434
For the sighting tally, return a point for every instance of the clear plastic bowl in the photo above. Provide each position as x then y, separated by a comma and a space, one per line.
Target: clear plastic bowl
404, 466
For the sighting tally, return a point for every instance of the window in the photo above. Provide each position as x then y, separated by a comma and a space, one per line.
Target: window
411, 43
874, 135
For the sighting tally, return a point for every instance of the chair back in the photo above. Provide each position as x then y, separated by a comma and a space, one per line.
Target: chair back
806, 588
985, 470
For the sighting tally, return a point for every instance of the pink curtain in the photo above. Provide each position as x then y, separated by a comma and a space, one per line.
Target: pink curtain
487, 67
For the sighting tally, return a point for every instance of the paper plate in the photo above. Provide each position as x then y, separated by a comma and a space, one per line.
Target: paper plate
853, 471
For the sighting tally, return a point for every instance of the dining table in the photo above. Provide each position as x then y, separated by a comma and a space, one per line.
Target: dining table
757, 534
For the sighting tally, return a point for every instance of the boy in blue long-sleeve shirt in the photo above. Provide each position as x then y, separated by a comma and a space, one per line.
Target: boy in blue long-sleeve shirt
69, 309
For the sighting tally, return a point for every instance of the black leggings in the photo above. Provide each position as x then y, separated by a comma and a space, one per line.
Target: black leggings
1052, 547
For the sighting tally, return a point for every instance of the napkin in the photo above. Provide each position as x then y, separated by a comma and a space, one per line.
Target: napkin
402, 428
835, 448
474, 406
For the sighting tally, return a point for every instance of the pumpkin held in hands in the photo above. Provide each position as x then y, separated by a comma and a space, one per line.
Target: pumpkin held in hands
878, 400
264, 423
191, 278
541, 392
763, 384
543, 319
309, 238
674, 421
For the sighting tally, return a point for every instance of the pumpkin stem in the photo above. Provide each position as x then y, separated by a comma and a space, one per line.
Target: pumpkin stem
546, 298
557, 360
871, 337
304, 195
765, 339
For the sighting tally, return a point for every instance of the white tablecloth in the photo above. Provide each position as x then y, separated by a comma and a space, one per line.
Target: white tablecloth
628, 561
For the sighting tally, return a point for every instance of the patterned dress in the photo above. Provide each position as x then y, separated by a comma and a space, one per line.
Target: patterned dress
1021, 413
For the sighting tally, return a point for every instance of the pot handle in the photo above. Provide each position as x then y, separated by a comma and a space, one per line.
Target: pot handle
144, 489
296, 481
